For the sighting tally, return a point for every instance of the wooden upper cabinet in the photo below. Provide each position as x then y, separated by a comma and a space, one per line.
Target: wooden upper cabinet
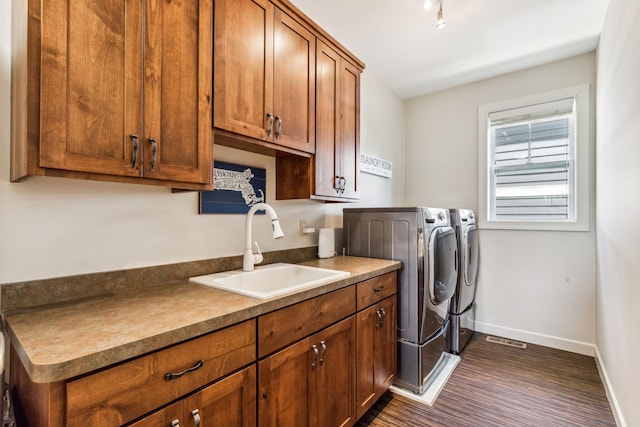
264, 74
243, 66
327, 162
349, 131
177, 91
91, 91
109, 98
338, 134
293, 84
334, 173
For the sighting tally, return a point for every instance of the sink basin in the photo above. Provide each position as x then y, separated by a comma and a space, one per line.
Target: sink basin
271, 280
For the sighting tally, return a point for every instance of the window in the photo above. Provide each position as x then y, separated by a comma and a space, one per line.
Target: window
534, 162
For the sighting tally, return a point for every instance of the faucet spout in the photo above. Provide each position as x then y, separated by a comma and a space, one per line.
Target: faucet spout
250, 259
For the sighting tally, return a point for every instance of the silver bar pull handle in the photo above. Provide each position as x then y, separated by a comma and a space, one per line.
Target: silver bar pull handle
175, 423
154, 152
380, 319
196, 417
279, 128
136, 147
314, 364
269, 124
323, 357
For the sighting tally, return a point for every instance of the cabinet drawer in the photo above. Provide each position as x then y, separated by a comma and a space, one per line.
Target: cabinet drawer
376, 289
280, 328
121, 393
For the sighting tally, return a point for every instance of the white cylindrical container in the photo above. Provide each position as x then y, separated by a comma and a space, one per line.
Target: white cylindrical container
326, 243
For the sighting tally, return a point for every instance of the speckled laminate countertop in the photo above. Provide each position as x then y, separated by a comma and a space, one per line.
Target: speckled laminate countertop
60, 341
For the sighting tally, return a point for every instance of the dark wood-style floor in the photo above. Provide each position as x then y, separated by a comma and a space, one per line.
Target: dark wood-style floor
498, 385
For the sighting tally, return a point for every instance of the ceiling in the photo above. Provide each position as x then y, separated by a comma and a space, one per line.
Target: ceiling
400, 45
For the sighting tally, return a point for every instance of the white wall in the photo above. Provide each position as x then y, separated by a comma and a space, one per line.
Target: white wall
618, 207
523, 291
51, 227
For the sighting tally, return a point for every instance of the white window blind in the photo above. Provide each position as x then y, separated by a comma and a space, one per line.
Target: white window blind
532, 162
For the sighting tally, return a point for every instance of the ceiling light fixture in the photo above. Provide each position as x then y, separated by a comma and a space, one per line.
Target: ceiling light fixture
428, 4
440, 22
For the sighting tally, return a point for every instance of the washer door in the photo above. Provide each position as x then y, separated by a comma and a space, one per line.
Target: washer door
443, 268
470, 268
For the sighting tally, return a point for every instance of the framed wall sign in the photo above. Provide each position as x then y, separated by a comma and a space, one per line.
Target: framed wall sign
235, 189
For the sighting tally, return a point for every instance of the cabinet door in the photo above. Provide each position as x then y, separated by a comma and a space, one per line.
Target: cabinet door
294, 84
162, 418
243, 67
91, 85
338, 125
376, 352
327, 121
350, 129
284, 384
333, 392
367, 330
230, 402
177, 91
385, 347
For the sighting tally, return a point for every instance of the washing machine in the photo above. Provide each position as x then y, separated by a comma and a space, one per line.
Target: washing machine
424, 241
462, 308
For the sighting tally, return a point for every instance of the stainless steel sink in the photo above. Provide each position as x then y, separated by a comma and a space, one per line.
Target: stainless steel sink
271, 280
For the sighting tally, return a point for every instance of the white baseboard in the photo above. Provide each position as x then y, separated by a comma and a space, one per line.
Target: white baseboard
574, 346
608, 388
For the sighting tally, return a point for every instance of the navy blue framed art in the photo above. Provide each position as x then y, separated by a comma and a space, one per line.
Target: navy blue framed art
235, 189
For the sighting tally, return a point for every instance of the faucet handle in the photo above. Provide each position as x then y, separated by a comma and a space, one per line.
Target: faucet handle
257, 258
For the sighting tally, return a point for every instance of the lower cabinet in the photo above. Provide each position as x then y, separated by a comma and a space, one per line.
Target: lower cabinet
228, 402
376, 352
184, 373
320, 362
312, 382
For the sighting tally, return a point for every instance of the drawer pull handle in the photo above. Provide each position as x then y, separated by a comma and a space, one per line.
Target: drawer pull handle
270, 127
314, 364
175, 423
324, 352
379, 289
279, 128
196, 417
380, 320
169, 377
154, 153
136, 146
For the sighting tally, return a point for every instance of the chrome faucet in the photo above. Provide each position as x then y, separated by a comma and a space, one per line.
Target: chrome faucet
250, 259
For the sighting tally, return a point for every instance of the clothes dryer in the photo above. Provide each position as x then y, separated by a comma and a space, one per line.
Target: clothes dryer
424, 241
462, 307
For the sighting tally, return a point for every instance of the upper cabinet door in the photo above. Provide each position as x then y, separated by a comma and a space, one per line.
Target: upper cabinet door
338, 126
243, 67
264, 74
294, 84
91, 85
177, 91
350, 129
119, 101
327, 167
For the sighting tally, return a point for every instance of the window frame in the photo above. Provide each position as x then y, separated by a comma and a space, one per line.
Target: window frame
581, 160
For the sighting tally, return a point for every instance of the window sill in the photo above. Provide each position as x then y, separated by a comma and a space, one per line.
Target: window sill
532, 226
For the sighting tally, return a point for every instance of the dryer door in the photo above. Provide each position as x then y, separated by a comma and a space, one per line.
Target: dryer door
470, 268
443, 264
